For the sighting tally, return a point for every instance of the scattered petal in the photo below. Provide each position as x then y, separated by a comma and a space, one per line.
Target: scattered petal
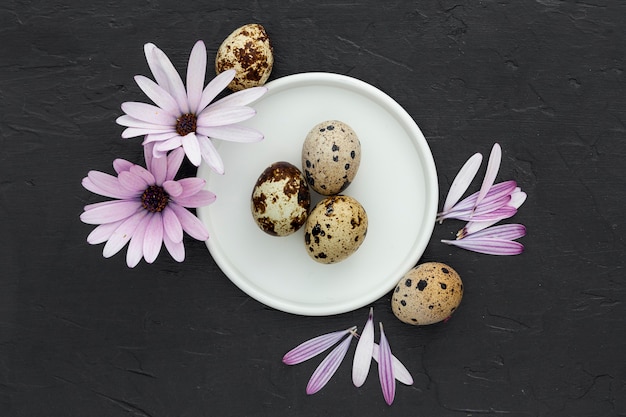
462, 181
328, 367
488, 246
314, 347
385, 368
399, 370
363, 352
492, 171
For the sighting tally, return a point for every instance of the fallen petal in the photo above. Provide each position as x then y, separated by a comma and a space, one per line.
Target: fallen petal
314, 347
488, 246
462, 181
363, 352
328, 367
504, 231
385, 369
492, 171
399, 370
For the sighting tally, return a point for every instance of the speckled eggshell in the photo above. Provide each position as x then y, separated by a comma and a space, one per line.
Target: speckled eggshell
335, 229
280, 199
248, 50
331, 155
427, 294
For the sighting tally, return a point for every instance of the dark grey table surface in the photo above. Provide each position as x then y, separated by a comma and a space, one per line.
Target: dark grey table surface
540, 334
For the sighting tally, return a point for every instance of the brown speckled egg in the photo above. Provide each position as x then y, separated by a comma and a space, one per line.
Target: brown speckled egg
335, 229
331, 155
280, 199
427, 294
249, 52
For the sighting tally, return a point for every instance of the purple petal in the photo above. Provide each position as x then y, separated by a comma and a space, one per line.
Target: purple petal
168, 144
133, 132
488, 246
153, 238
399, 370
155, 66
233, 133
103, 232
363, 352
196, 70
158, 95
190, 186
200, 199
217, 84
122, 234
171, 226
192, 148
174, 84
176, 249
132, 182
240, 98
517, 199
313, 347
173, 188
158, 168
174, 161
328, 367
505, 232
110, 211
190, 223
105, 185
462, 181
160, 136
143, 173
135, 247
385, 369
492, 171
225, 116
496, 193
149, 113
210, 155
120, 165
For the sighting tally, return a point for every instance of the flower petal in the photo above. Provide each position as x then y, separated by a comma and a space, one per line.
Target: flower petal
135, 247
192, 148
103, 232
240, 98
488, 246
158, 168
200, 199
173, 188
159, 137
143, 173
174, 84
190, 223
155, 66
153, 238
313, 347
327, 368
196, 70
130, 121
462, 181
158, 95
385, 369
233, 133
517, 199
149, 113
225, 116
110, 211
176, 249
363, 352
174, 161
190, 186
132, 182
210, 155
171, 225
217, 84
122, 234
120, 165
169, 144
105, 185
504, 231
399, 370
493, 166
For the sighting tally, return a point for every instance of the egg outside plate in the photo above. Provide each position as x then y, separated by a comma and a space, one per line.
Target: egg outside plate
396, 184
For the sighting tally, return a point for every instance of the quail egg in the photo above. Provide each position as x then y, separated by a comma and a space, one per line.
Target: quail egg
248, 50
280, 199
331, 155
427, 294
335, 229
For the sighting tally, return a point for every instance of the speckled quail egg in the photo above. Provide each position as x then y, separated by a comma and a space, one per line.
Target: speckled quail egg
335, 229
331, 155
427, 294
248, 50
280, 199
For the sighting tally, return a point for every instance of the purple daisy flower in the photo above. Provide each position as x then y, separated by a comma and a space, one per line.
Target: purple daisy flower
183, 117
149, 208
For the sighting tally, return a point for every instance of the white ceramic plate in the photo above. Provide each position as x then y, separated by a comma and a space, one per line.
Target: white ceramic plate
396, 184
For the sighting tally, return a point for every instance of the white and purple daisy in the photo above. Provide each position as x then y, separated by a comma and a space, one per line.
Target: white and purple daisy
149, 208
183, 117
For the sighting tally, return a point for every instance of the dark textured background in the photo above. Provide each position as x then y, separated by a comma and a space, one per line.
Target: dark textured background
541, 334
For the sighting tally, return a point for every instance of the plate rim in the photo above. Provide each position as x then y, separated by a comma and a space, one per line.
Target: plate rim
416, 136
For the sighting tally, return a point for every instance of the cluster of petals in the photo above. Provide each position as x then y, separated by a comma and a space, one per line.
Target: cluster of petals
483, 209
148, 208
184, 116
390, 368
